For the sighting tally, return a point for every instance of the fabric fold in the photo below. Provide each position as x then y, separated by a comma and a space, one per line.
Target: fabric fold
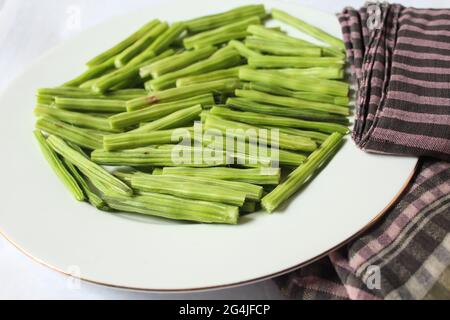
400, 59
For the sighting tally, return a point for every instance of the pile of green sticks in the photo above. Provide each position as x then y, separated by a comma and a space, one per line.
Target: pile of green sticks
225, 71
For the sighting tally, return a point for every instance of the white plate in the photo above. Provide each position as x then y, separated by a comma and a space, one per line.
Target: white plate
39, 216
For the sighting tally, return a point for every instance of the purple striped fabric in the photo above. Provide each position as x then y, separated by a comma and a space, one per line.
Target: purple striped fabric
406, 255
400, 58
402, 69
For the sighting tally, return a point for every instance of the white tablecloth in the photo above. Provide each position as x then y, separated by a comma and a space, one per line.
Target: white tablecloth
27, 30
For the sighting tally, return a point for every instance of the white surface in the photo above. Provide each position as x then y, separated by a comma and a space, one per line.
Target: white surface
27, 28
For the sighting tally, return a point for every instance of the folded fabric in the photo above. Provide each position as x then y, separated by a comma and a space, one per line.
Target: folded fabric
406, 255
400, 58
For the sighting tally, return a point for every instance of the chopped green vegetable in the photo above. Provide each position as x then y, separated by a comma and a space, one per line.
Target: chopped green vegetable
122, 45
82, 137
187, 189
176, 62
175, 208
281, 48
205, 37
136, 140
217, 20
298, 177
215, 62
157, 111
209, 76
254, 176
285, 141
224, 85
89, 168
308, 28
136, 48
58, 167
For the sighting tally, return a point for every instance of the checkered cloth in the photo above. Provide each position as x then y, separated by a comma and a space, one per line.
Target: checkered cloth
402, 69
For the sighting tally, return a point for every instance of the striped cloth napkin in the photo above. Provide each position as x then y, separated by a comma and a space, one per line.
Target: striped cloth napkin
400, 59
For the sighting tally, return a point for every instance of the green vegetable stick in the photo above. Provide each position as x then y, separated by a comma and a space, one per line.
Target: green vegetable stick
65, 92
313, 135
217, 20
266, 33
243, 50
58, 167
175, 208
165, 40
292, 102
302, 95
224, 85
177, 119
158, 46
224, 50
251, 191
225, 60
136, 48
285, 141
287, 158
187, 189
268, 120
214, 157
69, 92
294, 62
83, 137
308, 29
336, 88
92, 197
209, 76
88, 84
151, 156
176, 62
118, 48
75, 118
258, 107
241, 25
203, 99
254, 176
331, 73
137, 140
127, 74
157, 111
281, 48
298, 177
92, 73
221, 38
89, 168
90, 105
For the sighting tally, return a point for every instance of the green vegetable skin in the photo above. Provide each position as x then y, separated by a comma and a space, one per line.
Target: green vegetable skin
58, 167
140, 98
89, 168
308, 28
296, 179
79, 136
175, 62
254, 176
285, 141
157, 111
171, 207
190, 190
209, 37
215, 62
151, 156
